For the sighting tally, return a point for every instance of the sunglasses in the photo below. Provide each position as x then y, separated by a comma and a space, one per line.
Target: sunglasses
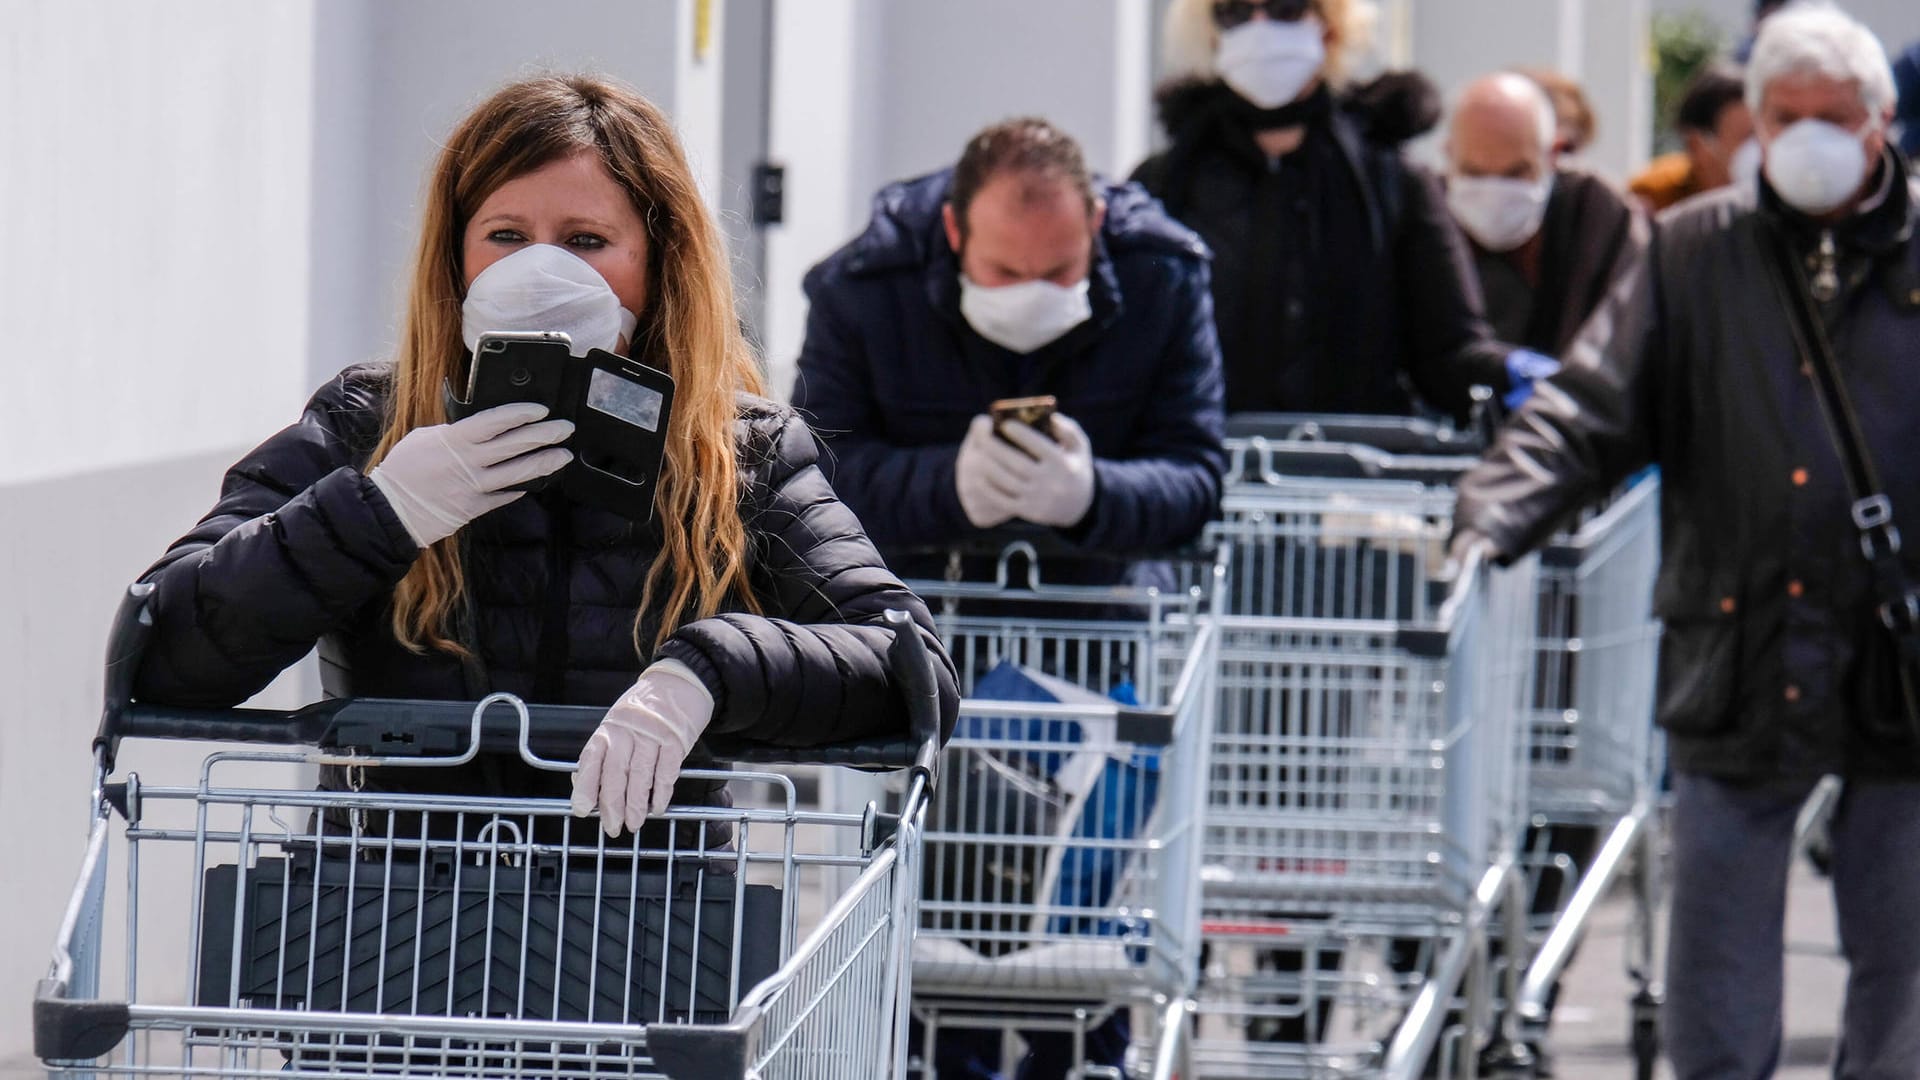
1228, 14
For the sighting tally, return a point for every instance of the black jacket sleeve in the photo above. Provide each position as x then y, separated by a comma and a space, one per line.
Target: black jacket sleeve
1449, 347
1584, 430
299, 540
814, 669
905, 496
1165, 489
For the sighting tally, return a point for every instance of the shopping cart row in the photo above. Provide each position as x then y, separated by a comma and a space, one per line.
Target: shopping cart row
1390, 750
1279, 813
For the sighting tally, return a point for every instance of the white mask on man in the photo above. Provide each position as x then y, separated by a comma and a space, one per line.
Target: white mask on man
1026, 316
1816, 166
542, 287
1269, 63
1499, 212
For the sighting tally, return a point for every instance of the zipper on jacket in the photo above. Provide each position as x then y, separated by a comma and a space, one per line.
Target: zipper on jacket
1826, 272
551, 652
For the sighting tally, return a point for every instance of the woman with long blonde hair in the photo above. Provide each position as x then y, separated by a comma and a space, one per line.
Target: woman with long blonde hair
399, 540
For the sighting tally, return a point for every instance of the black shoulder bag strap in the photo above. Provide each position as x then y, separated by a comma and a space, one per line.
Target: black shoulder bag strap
1895, 601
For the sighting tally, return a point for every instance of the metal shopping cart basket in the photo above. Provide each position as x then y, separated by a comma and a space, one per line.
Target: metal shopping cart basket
1594, 757
1367, 786
359, 933
1063, 849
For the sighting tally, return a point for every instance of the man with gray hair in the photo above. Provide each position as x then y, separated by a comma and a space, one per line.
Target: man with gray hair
1764, 356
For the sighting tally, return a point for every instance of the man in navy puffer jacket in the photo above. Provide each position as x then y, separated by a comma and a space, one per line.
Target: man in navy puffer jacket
1016, 274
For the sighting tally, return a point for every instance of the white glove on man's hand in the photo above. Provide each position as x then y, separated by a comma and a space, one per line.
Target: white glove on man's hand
628, 768
989, 475
1059, 489
441, 477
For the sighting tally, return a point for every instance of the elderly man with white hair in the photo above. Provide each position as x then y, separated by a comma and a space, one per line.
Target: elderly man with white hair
1765, 355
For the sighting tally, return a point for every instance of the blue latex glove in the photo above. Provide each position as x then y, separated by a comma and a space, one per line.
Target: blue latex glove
1524, 368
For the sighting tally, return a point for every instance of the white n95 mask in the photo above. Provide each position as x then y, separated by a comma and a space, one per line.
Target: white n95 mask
1269, 63
1499, 212
546, 288
1816, 166
1023, 317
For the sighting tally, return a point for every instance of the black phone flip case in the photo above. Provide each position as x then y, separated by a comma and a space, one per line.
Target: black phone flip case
619, 408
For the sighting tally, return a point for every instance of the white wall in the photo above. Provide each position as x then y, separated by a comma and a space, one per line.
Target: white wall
154, 208
1896, 21
871, 91
949, 70
154, 220
391, 81
206, 208
1603, 44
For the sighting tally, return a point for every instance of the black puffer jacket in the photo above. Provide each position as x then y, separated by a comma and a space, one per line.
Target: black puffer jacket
1338, 279
891, 375
1768, 663
303, 548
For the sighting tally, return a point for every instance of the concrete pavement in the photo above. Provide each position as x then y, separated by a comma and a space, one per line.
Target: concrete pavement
1590, 1028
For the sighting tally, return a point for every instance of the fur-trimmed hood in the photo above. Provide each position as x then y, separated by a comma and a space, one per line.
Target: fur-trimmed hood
1394, 108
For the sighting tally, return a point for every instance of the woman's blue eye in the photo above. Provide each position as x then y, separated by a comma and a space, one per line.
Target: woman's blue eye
505, 236
586, 240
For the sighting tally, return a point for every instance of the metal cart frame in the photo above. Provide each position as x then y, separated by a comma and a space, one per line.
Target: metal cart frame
301, 987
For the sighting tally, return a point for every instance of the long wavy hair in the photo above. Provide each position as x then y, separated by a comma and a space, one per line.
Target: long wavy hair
688, 330
1188, 37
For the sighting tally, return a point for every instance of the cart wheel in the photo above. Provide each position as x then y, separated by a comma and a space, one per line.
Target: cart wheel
1504, 1060
1646, 1035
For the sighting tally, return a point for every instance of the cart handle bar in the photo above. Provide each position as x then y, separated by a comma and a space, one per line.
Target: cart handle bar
391, 731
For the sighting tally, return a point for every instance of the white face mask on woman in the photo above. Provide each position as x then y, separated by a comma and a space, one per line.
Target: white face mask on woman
546, 288
1816, 166
1021, 318
1269, 63
1499, 212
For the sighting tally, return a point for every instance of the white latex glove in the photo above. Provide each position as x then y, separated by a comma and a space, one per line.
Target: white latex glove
989, 475
439, 478
1059, 489
628, 768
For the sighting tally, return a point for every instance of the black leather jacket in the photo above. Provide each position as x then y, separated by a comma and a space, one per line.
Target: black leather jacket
1768, 664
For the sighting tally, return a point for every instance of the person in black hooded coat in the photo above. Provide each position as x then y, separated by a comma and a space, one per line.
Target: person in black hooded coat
330, 532
1340, 283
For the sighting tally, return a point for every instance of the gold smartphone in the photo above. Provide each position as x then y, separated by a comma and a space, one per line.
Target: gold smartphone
1035, 412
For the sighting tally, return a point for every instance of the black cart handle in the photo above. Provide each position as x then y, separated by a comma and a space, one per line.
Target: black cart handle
1389, 434
1259, 459
396, 728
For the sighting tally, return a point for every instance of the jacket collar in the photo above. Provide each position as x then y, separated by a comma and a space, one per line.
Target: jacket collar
1209, 114
1886, 227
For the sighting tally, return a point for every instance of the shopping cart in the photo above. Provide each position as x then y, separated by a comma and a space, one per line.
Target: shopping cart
1062, 851
1594, 759
361, 933
1367, 789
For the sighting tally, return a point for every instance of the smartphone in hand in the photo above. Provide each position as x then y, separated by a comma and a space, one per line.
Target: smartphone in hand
1035, 412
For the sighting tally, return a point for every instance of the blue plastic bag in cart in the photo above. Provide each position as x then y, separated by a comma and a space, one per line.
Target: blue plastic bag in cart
1115, 796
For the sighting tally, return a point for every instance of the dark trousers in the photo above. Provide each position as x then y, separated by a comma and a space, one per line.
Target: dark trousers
1732, 849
